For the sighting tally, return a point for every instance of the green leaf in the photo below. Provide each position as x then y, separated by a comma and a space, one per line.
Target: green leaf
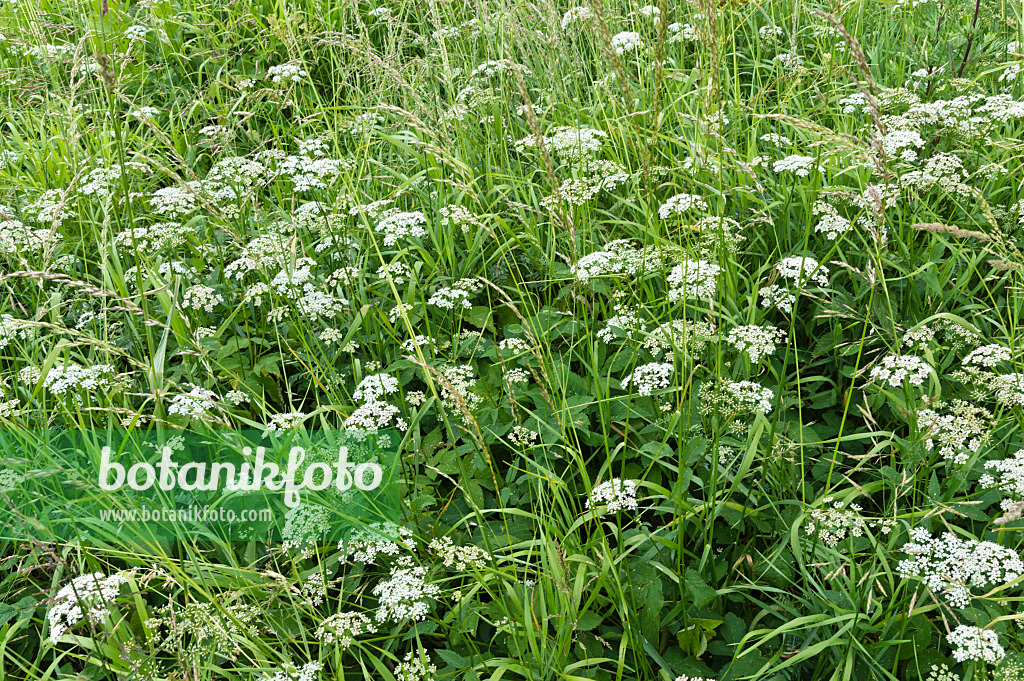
697, 589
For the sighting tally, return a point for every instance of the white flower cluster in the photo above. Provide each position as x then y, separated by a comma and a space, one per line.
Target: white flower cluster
801, 166
458, 294
902, 143
693, 279
834, 523
343, 628
1009, 389
648, 378
1011, 475
752, 395
832, 224
950, 565
201, 297
627, 41
286, 72
680, 204
618, 257
64, 377
196, 404
414, 669
616, 494
459, 557
375, 387
801, 270
757, 341
88, 596
289, 672
406, 594
402, 225
12, 328
522, 436
975, 643
988, 355
895, 369
386, 539
679, 333
959, 433
569, 143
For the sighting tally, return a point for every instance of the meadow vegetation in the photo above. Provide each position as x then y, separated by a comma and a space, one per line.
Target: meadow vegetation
698, 323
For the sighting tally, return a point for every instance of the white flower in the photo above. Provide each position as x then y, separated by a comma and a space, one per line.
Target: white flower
343, 628
895, 369
374, 387
402, 225
406, 594
693, 279
681, 204
801, 270
286, 72
649, 377
86, 597
975, 643
197, 404
988, 355
627, 41
307, 672
752, 395
757, 341
799, 165
617, 494
950, 565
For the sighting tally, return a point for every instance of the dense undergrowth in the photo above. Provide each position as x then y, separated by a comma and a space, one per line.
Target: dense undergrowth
699, 324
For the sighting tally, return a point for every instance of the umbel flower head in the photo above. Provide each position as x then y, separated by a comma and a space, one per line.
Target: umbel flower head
617, 494
950, 565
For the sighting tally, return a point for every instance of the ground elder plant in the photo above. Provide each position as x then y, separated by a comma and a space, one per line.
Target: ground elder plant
695, 328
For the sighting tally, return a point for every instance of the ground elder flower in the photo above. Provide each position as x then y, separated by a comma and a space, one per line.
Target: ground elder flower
373, 388
648, 378
693, 279
459, 557
414, 669
958, 433
895, 369
376, 416
752, 395
307, 672
802, 269
196, 404
988, 355
344, 627
801, 166
12, 328
62, 378
569, 143
200, 297
522, 437
86, 597
406, 594
757, 341
616, 494
975, 643
1009, 389
286, 72
626, 41
402, 225
681, 204
386, 539
834, 523
949, 565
